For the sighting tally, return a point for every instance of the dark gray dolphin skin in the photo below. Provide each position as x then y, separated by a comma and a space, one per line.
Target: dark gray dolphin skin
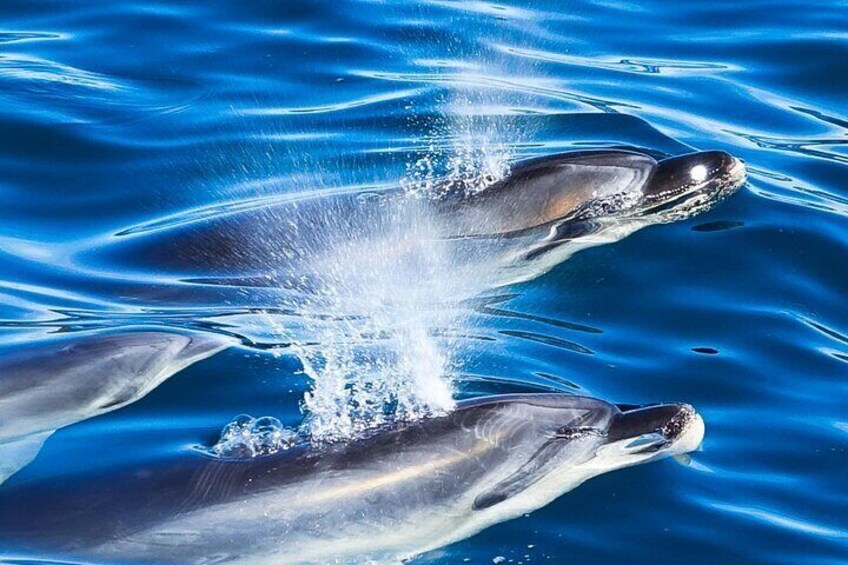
518, 227
401, 491
49, 385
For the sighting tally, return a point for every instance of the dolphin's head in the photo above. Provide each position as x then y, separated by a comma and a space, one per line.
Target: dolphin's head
638, 434
634, 186
574, 438
600, 196
686, 185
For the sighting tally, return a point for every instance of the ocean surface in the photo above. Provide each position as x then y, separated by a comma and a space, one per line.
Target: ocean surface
123, 117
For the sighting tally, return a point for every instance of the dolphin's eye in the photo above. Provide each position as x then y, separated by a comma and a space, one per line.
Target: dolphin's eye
698, 173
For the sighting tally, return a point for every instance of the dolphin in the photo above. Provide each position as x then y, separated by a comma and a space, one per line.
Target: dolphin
540, 213
58, 382
400, 491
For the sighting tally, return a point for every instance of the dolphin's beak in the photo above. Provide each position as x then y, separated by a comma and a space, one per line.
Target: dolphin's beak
738, 173
675, 426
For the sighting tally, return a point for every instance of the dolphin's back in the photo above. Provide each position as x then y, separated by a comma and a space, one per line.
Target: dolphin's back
255, 241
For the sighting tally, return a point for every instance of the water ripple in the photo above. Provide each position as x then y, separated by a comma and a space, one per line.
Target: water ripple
337, 107
8, 36
548, 340
535, 87
781, 520
624, 64
20, 67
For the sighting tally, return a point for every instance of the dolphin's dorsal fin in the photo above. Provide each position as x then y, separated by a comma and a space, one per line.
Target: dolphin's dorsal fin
17, 454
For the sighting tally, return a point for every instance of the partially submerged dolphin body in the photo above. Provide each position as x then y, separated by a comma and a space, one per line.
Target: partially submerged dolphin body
401, 491
51, 385
517, 228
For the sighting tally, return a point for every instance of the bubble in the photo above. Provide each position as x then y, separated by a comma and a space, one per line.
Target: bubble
246, 437
268, 435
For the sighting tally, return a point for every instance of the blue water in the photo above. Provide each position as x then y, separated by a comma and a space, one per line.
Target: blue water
115, 114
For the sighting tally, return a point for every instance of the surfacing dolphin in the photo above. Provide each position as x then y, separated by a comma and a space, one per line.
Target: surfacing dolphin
544, 210
401, 491
56, 383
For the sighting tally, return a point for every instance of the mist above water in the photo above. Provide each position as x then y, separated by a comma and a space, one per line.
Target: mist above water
383, 303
